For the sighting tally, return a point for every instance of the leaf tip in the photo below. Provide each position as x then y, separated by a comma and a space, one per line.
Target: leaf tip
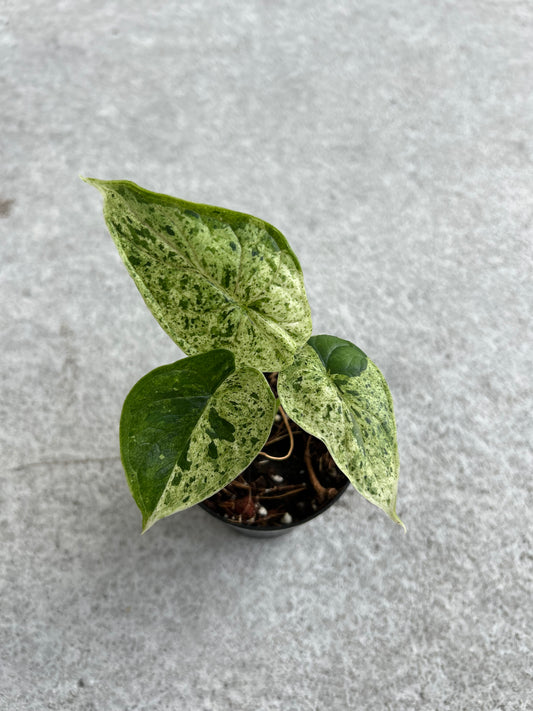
147, 524
98, 184
394, 516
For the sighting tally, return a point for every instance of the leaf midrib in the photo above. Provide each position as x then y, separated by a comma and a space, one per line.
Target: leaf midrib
187, 443
244, 308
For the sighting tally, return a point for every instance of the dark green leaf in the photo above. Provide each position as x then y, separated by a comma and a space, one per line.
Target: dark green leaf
339, 356
213, 278
189, 428
334, 392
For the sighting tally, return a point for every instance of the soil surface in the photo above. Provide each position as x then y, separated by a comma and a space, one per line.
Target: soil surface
285, 489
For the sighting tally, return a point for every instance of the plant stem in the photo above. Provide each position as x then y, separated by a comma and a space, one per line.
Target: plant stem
322, 493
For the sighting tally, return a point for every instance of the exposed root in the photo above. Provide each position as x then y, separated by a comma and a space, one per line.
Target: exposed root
291, 438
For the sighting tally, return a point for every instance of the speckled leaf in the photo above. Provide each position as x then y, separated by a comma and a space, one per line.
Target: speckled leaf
189, 428
213, 278
334, 392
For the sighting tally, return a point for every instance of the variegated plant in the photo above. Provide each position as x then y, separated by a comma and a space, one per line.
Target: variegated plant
229, 290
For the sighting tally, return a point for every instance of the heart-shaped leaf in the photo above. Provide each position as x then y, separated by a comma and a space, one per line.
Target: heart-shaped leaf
189, 428
213, 278
334, 392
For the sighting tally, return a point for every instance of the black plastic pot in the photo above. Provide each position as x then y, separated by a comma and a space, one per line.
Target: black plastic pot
277, 530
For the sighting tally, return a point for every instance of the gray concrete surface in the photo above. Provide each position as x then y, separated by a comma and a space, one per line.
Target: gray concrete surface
392, 143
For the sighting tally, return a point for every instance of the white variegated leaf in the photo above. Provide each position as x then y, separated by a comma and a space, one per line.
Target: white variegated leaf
213, 278
334, 392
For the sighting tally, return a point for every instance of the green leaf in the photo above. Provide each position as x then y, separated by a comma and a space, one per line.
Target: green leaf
189, 428
213, 278
334, 392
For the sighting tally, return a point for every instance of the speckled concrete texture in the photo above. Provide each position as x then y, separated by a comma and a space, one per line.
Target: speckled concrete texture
391, 142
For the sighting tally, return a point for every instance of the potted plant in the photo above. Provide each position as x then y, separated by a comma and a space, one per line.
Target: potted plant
255, 389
